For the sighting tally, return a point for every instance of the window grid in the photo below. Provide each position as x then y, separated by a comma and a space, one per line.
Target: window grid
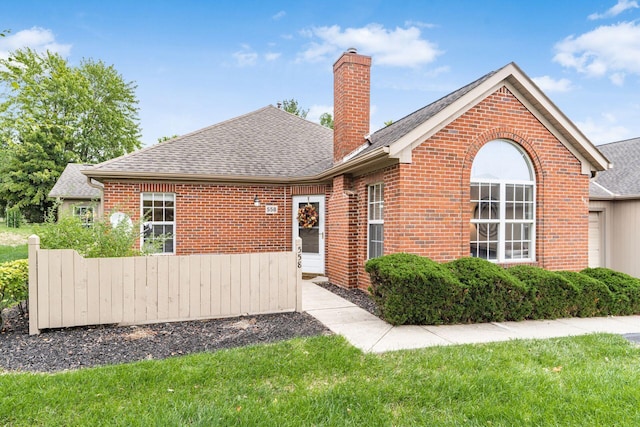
375, 238
502, 217
158, 213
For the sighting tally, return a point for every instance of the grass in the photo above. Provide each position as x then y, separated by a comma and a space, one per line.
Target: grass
588, 380
13, 242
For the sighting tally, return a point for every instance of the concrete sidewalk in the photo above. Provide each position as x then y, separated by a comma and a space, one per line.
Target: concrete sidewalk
371, 334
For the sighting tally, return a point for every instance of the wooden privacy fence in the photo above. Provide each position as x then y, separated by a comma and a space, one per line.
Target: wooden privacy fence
66, 289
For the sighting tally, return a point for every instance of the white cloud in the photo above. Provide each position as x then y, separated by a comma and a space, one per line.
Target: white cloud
603, 130
272, 56
612, 50
616, 10
36, 38
401, 47
245, 57
549, 84
315, 111
419, 24
279, 15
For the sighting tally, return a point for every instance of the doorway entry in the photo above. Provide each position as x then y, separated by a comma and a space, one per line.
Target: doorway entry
311, 230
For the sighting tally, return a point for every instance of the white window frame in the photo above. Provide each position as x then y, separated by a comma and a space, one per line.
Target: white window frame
144, 221
87, 220
502, 222
375, 205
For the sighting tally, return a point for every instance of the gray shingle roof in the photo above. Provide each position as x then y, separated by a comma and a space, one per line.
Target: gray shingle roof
268, 142
72, 184
624, 178
388, 135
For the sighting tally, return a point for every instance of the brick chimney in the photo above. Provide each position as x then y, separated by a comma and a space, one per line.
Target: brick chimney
351, 102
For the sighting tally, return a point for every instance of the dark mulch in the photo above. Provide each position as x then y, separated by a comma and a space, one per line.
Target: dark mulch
81, 347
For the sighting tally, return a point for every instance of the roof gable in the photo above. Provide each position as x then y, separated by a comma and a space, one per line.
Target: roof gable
267, 143
401, 137
623, 180
72, 184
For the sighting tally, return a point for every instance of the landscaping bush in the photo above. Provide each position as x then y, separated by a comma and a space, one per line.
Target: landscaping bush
552, 295
410, 289
625, 289
594, 297
14, 276
100, 240
493, 294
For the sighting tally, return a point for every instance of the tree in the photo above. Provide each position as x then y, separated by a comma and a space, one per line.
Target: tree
82, 114
167, 138
291, 106
326, 119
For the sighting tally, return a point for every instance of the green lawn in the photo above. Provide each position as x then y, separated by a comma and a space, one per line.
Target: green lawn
13, 242
590, 380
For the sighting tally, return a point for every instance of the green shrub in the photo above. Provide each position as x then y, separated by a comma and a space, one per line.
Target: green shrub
625, 289
14, 276
493, 294
410, 289
594, 297
14, 218
553, 296
100, 240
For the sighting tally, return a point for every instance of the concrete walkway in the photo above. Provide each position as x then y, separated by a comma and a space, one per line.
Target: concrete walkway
370, 334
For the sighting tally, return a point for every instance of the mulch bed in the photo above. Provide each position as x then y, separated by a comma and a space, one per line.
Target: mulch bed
81, 347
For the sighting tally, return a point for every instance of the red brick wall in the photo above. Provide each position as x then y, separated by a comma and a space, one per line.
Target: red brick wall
427, 202
351, 93
342, 235
216, 218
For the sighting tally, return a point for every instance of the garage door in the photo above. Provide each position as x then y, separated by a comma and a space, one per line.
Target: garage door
596, 242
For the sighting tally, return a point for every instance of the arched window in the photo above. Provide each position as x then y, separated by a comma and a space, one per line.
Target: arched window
503, 204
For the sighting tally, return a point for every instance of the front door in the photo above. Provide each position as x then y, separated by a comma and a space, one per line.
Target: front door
310, 228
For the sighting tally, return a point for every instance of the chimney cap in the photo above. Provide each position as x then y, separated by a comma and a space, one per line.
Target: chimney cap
352, 50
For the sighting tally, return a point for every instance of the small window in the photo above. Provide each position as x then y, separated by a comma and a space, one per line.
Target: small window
376, 221
502, 204
158, 222
85, 214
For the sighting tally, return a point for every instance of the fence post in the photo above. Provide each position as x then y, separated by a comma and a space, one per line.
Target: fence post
298, 253
34, 247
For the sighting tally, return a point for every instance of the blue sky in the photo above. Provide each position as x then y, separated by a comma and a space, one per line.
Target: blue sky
197, 63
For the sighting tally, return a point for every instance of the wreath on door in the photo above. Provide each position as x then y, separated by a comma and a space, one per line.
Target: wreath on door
307, 216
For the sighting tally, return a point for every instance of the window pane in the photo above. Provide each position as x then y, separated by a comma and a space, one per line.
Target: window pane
501, 160
376, 232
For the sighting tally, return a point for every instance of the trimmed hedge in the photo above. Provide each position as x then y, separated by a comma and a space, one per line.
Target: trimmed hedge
625, 289
594, 297
552, 295
410, 289
493, 294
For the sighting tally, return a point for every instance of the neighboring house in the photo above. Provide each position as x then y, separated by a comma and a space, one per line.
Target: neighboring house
614, 210
492, 170
76, 195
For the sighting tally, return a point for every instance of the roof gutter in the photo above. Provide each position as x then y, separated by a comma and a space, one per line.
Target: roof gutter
355, 164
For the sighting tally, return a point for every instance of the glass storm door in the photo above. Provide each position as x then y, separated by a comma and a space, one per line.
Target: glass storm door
308, 224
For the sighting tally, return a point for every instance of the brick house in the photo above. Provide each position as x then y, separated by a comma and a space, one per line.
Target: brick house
492, 170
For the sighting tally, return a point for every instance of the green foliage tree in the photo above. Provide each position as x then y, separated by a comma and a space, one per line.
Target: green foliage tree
52, 113
326, 119
291, 106
167, 138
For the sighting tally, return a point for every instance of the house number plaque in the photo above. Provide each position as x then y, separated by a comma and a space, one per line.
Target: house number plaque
271, 209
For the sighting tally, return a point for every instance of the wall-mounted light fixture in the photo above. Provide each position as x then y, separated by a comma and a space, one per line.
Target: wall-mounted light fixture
256, 201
